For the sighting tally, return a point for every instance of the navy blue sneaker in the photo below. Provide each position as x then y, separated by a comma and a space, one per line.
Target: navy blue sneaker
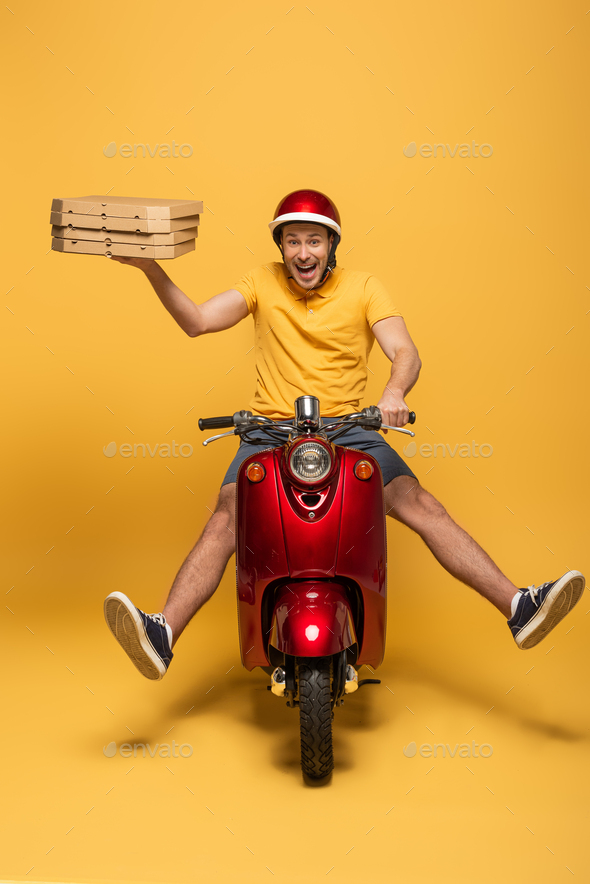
540, 609
145, 638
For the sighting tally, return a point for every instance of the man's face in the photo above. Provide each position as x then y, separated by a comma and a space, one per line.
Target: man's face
305, 250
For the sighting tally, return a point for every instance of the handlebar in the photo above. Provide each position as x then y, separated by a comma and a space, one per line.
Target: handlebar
216, 423
243, 423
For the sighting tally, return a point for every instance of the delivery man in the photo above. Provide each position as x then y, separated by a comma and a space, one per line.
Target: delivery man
315, 324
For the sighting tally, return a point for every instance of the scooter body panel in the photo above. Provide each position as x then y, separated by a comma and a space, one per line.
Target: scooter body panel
261, 558
312, 619
280, 544
362, 551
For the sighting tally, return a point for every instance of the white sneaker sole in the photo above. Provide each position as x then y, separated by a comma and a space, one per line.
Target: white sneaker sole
127, 626
557, 603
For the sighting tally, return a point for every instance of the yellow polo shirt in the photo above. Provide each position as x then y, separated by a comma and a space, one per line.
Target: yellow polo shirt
313, 343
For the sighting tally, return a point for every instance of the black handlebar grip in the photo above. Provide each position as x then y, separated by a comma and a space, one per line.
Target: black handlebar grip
412, 417
216, 423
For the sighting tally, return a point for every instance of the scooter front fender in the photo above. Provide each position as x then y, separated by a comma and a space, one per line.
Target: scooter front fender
312, 619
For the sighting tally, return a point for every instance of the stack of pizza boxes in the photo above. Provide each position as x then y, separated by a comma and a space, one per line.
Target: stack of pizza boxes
132, 227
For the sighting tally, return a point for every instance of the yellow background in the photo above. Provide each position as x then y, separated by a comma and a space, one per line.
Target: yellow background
488, 260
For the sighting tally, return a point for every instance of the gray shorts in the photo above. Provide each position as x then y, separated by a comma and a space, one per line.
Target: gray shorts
370, 441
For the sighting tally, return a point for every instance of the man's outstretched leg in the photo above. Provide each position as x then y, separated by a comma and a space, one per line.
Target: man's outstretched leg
148, 639
531, 613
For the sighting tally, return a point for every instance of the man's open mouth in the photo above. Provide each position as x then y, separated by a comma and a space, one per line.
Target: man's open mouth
306, 270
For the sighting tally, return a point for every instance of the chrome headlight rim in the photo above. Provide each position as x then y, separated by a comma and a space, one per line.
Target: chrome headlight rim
314, 443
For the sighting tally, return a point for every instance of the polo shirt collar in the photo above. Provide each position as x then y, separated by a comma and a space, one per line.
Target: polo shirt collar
323, 291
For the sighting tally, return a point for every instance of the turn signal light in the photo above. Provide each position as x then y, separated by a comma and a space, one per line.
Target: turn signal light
256, 472
363, 469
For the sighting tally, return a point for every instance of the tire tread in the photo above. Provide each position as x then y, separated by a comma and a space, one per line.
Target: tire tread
315, 717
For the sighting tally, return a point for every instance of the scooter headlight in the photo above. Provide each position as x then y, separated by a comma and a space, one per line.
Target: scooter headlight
310, 462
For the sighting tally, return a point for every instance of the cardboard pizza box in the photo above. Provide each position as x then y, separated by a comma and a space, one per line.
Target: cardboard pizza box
128, 207
124, 249
106, 236
97, 222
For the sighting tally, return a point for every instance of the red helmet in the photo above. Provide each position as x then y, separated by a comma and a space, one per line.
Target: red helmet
311, 206
306, 205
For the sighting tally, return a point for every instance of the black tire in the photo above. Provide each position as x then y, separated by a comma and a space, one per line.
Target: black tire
315, 717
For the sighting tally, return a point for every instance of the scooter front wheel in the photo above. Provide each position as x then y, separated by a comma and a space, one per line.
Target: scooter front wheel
315, 716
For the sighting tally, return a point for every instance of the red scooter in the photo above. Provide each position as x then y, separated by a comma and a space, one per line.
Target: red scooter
311, 563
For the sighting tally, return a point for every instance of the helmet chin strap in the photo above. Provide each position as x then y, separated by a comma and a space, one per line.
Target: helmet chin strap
331, 259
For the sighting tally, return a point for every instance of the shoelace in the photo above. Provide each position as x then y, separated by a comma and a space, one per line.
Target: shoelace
158, 618
534, 591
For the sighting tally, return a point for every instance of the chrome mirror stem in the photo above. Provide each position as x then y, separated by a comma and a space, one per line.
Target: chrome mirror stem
307, 413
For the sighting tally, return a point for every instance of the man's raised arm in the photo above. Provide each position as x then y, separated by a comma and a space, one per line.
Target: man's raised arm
395, 341
218, 313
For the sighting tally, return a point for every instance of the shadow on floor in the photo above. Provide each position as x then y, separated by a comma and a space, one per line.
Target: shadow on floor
415, 670
243, 695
